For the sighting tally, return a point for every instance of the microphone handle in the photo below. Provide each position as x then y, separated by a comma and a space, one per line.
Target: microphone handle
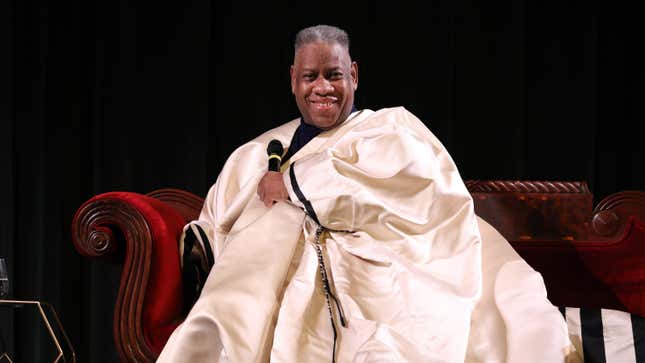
274, 163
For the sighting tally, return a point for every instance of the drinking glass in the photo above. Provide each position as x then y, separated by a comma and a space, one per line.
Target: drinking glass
4, 279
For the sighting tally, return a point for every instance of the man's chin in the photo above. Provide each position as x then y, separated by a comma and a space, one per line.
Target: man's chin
324, 123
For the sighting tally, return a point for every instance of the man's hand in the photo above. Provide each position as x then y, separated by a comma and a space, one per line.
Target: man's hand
271, 188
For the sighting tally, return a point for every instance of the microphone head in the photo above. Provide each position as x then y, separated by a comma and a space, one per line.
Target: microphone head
275, 148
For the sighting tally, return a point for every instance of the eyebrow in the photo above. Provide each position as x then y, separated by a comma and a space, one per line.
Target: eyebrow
314, 69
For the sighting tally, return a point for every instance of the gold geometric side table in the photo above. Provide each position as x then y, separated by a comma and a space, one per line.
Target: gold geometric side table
43, 308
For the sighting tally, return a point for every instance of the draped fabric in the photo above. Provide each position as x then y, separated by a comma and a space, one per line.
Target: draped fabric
401, 248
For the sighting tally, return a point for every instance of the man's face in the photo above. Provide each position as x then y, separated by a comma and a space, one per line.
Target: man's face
323, 81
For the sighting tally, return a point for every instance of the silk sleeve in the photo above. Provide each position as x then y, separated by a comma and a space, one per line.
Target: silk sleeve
226, 199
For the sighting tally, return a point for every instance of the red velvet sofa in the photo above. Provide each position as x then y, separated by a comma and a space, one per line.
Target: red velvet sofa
589, 257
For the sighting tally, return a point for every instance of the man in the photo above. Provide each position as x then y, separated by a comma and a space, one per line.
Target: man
363, 248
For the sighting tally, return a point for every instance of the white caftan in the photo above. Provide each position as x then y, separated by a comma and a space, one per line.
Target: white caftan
402, 250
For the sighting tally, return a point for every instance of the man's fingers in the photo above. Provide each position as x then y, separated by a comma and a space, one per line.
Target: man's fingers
268, 203
271, 189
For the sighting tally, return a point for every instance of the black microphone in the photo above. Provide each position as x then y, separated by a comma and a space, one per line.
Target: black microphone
274, 150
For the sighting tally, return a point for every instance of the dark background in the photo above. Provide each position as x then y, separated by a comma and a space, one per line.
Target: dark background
99, 96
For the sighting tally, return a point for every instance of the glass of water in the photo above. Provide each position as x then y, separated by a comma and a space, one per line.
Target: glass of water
4, 279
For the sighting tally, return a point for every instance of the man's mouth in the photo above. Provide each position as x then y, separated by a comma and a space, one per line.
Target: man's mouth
323, 105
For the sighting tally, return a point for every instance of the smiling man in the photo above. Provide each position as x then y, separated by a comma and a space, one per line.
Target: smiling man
323, 81
364, 247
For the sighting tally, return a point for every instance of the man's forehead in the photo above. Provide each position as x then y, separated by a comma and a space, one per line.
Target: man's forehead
325, 52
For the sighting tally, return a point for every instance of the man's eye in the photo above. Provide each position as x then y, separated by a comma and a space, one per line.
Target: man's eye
337, 75
308, 77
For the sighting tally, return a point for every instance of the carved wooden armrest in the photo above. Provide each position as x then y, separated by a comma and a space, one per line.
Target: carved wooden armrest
611, 215
142, 232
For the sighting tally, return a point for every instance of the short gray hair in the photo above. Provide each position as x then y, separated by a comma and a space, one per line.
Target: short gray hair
321, 33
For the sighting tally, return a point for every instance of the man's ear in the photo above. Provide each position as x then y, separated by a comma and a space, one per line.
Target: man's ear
293, 80
354, 75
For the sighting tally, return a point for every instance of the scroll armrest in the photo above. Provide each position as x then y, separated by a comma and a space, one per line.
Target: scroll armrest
142, 232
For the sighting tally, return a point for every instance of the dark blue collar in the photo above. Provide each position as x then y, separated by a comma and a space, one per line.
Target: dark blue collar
304, 133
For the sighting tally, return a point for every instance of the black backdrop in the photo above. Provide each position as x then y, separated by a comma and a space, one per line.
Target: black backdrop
116, 95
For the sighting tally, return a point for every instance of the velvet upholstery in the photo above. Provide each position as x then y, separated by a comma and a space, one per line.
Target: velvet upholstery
149, 302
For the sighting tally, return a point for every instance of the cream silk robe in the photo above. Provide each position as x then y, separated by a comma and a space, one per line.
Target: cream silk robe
403, 253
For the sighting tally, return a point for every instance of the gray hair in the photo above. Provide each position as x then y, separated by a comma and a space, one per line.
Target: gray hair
321, 33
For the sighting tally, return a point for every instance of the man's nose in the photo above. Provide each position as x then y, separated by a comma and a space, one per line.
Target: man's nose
323, 86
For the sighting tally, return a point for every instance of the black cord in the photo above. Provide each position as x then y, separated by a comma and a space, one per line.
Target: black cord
328, 293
